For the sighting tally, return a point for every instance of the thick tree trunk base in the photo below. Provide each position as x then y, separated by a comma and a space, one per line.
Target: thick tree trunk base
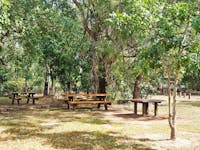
173, 135
137, 89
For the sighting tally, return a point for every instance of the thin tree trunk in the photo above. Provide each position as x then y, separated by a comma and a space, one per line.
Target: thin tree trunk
172, 105
169, 99
173, 129
46, 84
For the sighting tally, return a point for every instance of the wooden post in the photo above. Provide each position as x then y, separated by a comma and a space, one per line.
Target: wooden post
74, 106
98, 106
66, 102
145, 106
105, 105
189, 95
155, 108
135, 108
184, 94
33, 101
27, 100
18, 101
13, 101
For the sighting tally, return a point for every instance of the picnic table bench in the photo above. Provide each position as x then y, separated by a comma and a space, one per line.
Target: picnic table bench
77, 102
145, 105
86, 99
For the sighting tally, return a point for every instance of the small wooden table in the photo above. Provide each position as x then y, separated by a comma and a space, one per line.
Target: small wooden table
15, 96
31, 96
145, 105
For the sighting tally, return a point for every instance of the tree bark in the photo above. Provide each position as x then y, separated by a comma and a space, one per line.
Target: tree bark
172, 105
169, 101
52, 91
46, 83
93, 29
137, 89
173, 129
102, 81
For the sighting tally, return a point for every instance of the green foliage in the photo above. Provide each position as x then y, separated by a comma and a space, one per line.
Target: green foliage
196, 23
127, 38
4, 17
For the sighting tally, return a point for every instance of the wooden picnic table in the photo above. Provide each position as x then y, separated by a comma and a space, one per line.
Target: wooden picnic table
24, 95
87, 98
15, 96
33, 97
145, 105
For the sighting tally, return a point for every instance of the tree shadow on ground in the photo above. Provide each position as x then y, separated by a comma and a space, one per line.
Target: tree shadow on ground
192, 103
16, 133
79, 140
132, 116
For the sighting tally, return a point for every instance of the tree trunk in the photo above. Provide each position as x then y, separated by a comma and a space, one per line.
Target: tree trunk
68, 88
94, 75
169, 102
26, 86
46, 83
102, 81
137, 89
52, 91
172, 105
173, 129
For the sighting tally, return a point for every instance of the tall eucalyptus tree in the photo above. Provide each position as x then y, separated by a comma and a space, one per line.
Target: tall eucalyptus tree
94, 15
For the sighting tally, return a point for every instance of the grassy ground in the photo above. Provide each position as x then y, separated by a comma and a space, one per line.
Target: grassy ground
49, 125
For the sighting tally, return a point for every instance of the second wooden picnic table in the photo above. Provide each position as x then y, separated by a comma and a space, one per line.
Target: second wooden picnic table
145, 105
15, 96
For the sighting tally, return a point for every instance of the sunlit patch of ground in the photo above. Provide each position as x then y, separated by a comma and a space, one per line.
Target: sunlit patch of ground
47, 126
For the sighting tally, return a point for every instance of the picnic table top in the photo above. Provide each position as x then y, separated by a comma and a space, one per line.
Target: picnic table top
87, 94
23, 93
147, 100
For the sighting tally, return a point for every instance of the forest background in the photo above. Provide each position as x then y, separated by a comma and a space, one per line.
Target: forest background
120, 47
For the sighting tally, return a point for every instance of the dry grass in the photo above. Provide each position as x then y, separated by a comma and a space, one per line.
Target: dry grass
49, 127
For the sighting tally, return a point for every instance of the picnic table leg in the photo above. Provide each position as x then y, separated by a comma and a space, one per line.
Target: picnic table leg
99, 105
67, 105
33, 101
106, 107
13, 101
18, 101
74, 106
27, 100
66, 102
145, 108
135, 108
155, 108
